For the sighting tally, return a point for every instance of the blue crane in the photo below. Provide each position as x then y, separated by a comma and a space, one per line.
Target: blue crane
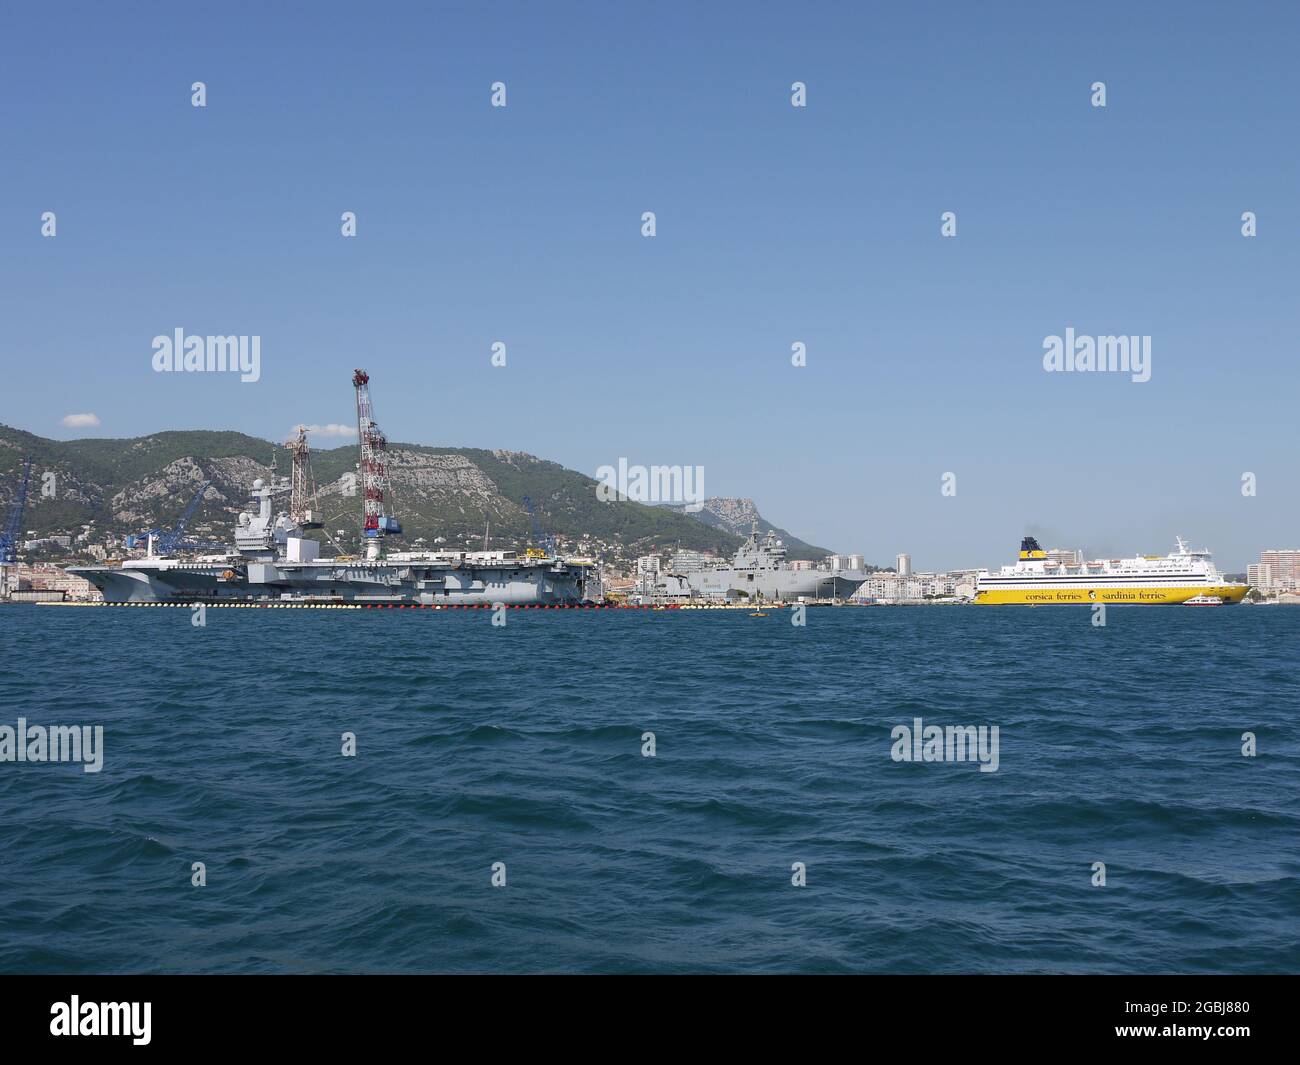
546, 543
14, 523
167, 541
13, 526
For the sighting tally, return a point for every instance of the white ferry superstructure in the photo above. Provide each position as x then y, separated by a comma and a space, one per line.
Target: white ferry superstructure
1181, 575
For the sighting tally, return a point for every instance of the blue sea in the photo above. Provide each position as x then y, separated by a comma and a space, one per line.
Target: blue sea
523, 745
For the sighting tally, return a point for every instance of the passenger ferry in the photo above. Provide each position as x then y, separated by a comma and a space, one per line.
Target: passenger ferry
1178, 577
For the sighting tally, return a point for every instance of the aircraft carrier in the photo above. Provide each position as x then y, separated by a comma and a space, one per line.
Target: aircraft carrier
274, 558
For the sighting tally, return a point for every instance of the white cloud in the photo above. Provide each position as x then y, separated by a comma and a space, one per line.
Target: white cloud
332, 429
80, 421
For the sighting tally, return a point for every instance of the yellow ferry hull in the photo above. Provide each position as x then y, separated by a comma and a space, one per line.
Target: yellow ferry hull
1229, 593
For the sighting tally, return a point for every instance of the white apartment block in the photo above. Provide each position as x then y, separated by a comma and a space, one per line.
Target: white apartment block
1277, 570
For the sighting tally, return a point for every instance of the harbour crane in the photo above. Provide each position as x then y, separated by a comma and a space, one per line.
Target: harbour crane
13, 526
303, 507
166, 542
376, 523
545, 544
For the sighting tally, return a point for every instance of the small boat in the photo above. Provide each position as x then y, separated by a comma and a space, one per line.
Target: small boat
1203, 600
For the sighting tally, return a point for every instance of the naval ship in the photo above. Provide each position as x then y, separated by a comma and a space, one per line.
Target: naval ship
274, 560
273, 557
1182, 576
757, 570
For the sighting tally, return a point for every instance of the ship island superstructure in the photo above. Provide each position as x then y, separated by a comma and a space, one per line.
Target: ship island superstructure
274, 558
1177, 577
758, 570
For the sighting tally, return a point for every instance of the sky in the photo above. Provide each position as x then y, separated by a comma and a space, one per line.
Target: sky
775, 225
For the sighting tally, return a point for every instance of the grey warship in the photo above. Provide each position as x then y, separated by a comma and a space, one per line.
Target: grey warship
274, 558
757, 570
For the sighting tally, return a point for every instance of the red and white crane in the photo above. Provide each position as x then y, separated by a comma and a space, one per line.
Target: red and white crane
375, 521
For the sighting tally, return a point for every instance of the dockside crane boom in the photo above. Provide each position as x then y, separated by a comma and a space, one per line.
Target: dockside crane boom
303, 507
13, 529
166, 542
373, 466
545, 544
169, 540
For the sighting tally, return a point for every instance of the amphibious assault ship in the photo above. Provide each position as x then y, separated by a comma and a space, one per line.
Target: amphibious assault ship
757, 570
273, 558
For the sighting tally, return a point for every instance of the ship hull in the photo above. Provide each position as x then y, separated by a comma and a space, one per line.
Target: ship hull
1153, 595
350, 582
758, 570
723, 583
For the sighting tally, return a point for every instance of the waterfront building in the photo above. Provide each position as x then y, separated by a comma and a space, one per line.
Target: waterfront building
686, 561
1278, 569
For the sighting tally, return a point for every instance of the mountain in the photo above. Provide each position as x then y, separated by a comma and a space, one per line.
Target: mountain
737, 517
125, 486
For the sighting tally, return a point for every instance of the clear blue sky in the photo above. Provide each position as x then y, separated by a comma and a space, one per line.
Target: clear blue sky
775, 225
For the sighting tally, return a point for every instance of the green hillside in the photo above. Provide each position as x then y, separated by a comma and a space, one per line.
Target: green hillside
124, 486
